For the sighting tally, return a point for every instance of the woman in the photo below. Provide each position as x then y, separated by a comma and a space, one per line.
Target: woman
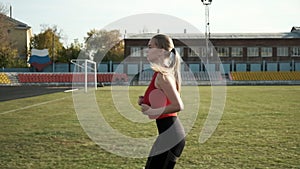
162, 101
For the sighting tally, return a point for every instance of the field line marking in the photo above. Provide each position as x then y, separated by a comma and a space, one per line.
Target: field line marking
38, 104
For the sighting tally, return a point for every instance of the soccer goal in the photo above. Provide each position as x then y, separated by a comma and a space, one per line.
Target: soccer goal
84, 73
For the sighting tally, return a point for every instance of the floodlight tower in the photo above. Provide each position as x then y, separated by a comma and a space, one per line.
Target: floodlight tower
207, 29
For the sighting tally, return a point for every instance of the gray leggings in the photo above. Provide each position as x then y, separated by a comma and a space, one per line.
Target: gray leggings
162, 157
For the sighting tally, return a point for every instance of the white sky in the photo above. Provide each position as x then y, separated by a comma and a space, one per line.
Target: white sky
76, 17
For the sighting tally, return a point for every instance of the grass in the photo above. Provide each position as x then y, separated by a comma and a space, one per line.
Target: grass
259, 129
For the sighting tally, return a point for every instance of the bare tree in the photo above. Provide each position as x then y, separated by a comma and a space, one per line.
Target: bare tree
3, 9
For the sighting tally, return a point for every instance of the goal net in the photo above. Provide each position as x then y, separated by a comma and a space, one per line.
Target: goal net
84, 74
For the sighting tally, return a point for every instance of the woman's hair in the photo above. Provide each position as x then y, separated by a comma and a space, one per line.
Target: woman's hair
165, 42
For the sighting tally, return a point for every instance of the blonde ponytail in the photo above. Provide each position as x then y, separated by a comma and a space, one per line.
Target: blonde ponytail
173, 67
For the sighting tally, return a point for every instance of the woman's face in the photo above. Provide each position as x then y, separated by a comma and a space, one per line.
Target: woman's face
154, 54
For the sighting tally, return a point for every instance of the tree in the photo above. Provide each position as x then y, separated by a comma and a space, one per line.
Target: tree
8, 55
103, 45
3, 24
49, 38
71, 52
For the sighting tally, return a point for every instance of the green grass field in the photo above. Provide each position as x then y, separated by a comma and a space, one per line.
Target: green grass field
260, 128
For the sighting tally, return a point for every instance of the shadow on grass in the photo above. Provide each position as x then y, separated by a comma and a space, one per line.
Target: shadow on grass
17, 92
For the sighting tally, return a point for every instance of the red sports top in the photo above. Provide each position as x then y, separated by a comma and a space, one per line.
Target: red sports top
155, 98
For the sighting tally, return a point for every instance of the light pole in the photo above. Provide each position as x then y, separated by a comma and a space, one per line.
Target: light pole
207, 29
53, 43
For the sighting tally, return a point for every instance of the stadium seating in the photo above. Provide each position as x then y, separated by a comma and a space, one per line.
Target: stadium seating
69, 77
201, 76
187, 76
4, 79
146, 77
264, 76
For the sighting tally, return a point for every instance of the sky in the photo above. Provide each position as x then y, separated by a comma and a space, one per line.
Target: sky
74, 18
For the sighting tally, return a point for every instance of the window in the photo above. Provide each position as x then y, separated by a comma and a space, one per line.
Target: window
144, 50
295, 51
282, 51
237, 52
266, 52
223, 51
252, 51
202, 51
211, 51
194, 51
135, 52
179, 51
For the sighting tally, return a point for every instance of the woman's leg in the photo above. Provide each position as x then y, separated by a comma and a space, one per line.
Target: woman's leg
162, 157
166, 160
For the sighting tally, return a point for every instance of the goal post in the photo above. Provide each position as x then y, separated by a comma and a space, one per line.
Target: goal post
86, 67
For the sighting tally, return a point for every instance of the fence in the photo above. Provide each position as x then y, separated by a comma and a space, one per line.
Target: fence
134, 68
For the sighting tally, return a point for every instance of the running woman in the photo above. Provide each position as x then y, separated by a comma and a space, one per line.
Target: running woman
162, 102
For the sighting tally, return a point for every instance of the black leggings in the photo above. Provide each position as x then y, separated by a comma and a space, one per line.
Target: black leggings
168, 145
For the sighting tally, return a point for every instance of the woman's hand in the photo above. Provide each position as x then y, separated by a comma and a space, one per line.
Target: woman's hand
140, 100
152, 113
146, 110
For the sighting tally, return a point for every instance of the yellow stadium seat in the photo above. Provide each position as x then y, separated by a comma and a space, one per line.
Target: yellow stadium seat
265, 76
4, 79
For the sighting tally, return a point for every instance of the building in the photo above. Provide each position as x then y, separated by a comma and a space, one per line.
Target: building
19, 34
237, 51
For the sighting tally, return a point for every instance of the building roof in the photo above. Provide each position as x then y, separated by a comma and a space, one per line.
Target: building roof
283, 35
295, 29
17, 24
